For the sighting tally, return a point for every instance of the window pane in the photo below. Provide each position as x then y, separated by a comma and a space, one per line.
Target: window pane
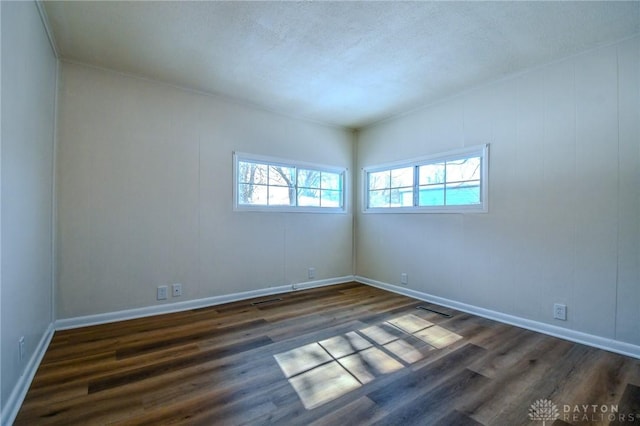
252, 173
308, 197
330, 180
402, 177
465, 169
431, 173
252, 194
282, 176
261, 182
244, 171
463, 193
379, 198
308, 178
448, 182
280, 196
331, 198
401, 197
431, 195
380, 180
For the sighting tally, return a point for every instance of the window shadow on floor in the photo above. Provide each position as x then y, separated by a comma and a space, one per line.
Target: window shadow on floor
322, 371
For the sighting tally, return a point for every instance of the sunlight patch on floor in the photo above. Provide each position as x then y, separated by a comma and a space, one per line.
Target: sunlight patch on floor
323, 384
350, 343
323, 371
409, 350
382, 333
410, 323
367, 364
438, 337
302, 359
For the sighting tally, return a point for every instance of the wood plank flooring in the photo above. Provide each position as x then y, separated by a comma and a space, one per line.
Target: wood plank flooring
347, 354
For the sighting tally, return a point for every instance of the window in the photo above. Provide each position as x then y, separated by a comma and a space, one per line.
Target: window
268, 184
452, 182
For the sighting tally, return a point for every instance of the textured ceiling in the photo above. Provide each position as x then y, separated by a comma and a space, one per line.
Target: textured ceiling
342, 63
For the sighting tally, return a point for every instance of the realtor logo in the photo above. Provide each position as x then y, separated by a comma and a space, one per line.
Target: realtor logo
543, 410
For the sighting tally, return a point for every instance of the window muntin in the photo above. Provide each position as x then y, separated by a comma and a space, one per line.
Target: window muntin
269, 184
450, 182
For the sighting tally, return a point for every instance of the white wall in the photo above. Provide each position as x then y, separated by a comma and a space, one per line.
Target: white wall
28, 105
1, 400
564, 196
145, 196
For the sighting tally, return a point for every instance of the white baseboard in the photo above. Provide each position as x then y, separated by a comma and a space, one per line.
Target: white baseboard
322, 283
608, 344
69, 323
10, 410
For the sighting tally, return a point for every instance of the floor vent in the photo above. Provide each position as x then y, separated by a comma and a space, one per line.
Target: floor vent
262, 302
424, 308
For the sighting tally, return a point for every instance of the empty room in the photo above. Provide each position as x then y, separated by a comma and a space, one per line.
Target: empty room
294, 213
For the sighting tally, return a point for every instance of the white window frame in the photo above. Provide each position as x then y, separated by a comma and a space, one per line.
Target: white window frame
262, 159
481, 151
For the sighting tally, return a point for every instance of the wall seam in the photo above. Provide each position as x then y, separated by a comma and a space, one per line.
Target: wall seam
618, 222
199, 207
54, 196
354, 200
574, 233
1, 404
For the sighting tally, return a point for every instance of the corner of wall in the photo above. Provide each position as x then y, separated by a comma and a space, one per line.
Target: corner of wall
54, 198
14, 402
47, 27
355, 133
1, 405
15, 384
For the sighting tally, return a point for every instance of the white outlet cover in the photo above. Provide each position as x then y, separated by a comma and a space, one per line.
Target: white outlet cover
560, 311
163, 290
176, 289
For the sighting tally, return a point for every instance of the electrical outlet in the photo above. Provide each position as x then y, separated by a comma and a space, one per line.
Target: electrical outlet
311, 273
404, 278
162, 292
21, 347
560, 311
176, 290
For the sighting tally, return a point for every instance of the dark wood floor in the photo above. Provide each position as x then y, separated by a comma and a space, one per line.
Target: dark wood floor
340, 355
